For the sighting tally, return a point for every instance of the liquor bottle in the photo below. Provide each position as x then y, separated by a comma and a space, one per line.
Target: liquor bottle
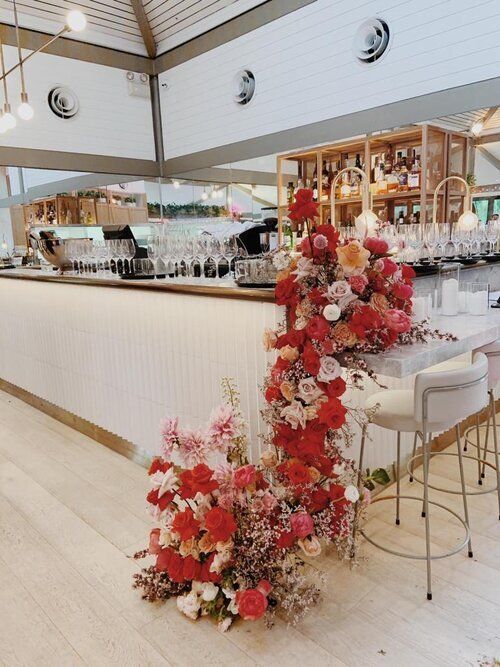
393, 179
315, 184
414, 175
358, 162
401, 218
381, 180
290, 193
389, 160
345, 188
287, 235
375, 170
331, 176
403, 177
325, 175
354, 184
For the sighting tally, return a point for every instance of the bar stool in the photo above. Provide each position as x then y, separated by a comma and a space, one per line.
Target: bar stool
455, 395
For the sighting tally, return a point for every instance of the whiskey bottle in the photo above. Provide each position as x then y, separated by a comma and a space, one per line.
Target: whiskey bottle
414, 175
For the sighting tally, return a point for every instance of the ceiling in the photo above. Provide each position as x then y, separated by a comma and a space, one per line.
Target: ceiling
113, 23
462, 122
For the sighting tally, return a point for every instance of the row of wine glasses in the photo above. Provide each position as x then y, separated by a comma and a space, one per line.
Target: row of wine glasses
91, 257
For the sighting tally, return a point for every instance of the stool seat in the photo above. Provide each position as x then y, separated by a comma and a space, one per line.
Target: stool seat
396, 412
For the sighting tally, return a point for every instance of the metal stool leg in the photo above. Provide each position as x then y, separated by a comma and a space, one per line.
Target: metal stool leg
479, 476
360, 477
414, 451
462, 482
429, 439
486, 439
425, 448
495, 445
398, 475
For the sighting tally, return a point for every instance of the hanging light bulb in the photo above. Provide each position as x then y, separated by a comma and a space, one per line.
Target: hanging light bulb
214, 194
9, 119
176, 184
467, 221
204, 195
76, 21
3, 127
25, 110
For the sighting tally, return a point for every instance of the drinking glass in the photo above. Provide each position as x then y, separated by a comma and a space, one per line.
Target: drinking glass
478, 298
444, 237
154, 253
129, 252
201, 253
491, 235
216, 253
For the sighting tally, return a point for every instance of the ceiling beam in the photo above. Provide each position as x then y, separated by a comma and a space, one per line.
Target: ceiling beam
144, 27
487, 139
494, 161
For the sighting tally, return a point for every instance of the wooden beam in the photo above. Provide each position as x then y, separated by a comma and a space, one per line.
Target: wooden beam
487, 139
144, 27
494, 161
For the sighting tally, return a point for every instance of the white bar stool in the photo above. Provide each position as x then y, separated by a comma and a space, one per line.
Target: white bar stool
439, 401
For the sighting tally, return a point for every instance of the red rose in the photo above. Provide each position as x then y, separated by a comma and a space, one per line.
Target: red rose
317, 500
244, 476
154, 545
315, 430
317, 328
191, 569
185, 525
303, 208
283, 435
407, 272
286, 291
324, 464
310, 359
390, 267
162, 502
402, 290
163, 559
363, 318
397, 320
175, 568
197, 479
252, 603
285, 540
388, 337
335, 388
302, 525
376, 245
273, 394
206, 575
298, 473
317, 297
296, 337
358, 283
332, 413
336, 492
220, 524
157, 464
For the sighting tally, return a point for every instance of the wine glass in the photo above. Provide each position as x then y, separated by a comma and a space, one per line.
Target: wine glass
230, 251
491, 235
129, 252
154, 253
216, 252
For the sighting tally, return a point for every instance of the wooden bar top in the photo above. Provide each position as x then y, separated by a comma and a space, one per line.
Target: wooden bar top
220, 290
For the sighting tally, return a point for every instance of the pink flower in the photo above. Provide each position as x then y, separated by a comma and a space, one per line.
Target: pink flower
302, 524
223, 427
226, 500
389, 267
320, 242
169, 436
269, 501
223, 475
244, 476
154, 544
193, 446
358, 283
376, 245
397, 320
402, 291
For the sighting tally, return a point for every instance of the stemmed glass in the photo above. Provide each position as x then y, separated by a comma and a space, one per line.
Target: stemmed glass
128, 252
201, 253
491, 235
154, 253
230, 252
431, 240
216, 253
444, 237
189, 255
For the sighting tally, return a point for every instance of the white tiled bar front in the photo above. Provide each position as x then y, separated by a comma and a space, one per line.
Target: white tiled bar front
125, 358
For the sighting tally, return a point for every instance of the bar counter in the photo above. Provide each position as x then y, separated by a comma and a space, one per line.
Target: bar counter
122, 355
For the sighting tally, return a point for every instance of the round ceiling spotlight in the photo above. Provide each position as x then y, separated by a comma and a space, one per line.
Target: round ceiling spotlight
63, 102
371, 40
243, 86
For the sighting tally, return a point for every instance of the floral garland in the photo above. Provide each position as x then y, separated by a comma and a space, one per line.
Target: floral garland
233, 539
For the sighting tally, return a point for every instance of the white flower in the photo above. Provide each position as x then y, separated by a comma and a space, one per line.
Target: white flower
331, 312
224, 625
281, 260
305, 268
203, 504
338, 290
209, 591
338, 469
308, 390
165, 538
301, 323
351, 493
168, 483
220, 559
295, 414
329, 369
231, 595
311, 546
189, 605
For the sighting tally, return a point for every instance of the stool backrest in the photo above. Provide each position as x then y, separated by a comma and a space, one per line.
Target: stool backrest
450, 396
492, 352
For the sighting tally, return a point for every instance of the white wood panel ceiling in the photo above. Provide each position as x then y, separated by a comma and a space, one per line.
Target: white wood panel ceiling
462, 122
113, 23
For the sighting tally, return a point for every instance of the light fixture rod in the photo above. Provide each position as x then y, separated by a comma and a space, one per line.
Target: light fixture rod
2, 64
366, 202
467, 200
30, 55
21, 69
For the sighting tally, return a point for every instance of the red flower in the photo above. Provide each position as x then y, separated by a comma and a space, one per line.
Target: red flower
303, 208
397, 320
206, 575
310, 359
220, 524
294, 338
363, 318
273, 394
154, 546
286, 291
283, 435
175, 568
244, 476
390, 267
324, 464
252, 603
162, 502
197, 479
358, 283
317, 328
298, 473
332, 413
157, 464
408, 273
402, 290
317, 500
302, 524
376, 245
285, 540
335, 388
185, 525
163, 559
317, 297
336, 492
191, 569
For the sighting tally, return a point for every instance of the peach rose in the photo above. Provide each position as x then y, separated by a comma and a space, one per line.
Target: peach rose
269, 339
289, 353
353, 258
283, 275
379, 302
288, 390
189, 548
206, 544
315, 474
269, 459
311, 546
343, 335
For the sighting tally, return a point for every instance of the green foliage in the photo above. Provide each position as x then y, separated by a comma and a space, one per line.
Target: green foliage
188, 210
377, 476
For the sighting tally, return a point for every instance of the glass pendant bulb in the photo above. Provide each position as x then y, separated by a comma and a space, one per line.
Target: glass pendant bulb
76, 21
9, 120
25, 111
3, 127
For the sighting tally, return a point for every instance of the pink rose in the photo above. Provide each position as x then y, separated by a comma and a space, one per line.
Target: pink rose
244, 476
402, 291
302, 524
320, 242
154, 541
397, 320
376, 245
389, 267
269, 501
358, 283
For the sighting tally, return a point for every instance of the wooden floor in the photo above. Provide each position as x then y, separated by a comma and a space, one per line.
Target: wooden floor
71, 511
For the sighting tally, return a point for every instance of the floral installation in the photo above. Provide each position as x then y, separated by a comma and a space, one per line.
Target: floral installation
235, 539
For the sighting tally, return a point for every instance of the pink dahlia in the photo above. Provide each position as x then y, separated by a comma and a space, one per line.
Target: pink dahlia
193, 446
169, 436
222, 428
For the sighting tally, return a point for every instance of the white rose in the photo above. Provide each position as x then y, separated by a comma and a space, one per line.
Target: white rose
209, 591
189, 605
308, 390
294, 414
305, 267
338, 290
331, 312
351, 493
329, 369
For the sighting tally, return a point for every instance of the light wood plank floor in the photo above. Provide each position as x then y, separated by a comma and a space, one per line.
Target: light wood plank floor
71, 511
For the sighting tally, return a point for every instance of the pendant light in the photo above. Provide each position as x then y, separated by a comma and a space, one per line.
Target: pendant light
468, 220
366, 222
8, 120
24, 110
